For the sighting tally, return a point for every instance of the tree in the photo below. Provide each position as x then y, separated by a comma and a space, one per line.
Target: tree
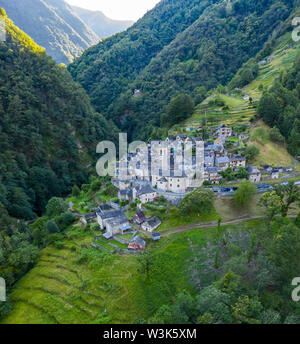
268, 108
200, 94
247, 310
214, 302
244, 194
284, 250
272, 204
75, 191
146, 262
275, 135
52, 227
55, 207
179, 109
289, 194
251, 153
199, 200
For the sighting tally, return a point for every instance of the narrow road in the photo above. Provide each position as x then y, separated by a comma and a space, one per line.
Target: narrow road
212, 224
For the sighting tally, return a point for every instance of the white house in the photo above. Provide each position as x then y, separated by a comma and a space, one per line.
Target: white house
114, 225
151, 224
237, 161
254, 174
144, 193
224, 131
102, 218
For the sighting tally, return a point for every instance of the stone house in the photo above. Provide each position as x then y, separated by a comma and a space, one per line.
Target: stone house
151, 224
144, 193
125, 195
222, 163
137, 244
237, 161
211, 175
275, 174
254, 174
114, 225
224, 131
102, 218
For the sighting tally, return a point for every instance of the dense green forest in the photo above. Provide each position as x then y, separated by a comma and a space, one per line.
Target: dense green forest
209, 43
243, 276
47, 127
279, 107
48, 134
53, 25
107, 69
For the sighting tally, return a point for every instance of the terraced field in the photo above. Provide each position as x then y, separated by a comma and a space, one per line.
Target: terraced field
239, 111
282, 59
77, 285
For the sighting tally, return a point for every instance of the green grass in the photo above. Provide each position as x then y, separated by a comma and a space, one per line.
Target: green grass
59, 289
172, 219
75, 284
270, 153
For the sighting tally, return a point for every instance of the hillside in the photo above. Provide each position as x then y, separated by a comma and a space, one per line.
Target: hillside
184, 62
52, 24
48, 128
238, 107
100, 24
122, 57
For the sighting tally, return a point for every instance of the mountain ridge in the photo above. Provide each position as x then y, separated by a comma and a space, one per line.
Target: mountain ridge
100, 23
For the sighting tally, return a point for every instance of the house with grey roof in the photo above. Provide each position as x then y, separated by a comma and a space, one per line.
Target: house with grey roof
125, 195
237, 161
151, 224
211, 175
209, 161
104, 208
222, 163
254, 174
137, 244
102, 218
144, 193
224, 131
114, 225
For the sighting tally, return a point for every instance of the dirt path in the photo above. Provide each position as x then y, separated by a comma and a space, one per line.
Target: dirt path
213, 224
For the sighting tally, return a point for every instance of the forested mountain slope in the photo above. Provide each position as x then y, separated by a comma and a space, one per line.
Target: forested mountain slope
106, 70
211, 41
48, 129
52, 24
100, 24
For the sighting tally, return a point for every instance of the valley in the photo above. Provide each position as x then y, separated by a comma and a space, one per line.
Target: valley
217, 242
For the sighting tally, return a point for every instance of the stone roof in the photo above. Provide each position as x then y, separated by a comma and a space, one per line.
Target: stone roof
211, 170
222, 160
145, 189
110, 214
138, 241
117, 221
104, 207
253, 170
238, 158
162, 180
153, 222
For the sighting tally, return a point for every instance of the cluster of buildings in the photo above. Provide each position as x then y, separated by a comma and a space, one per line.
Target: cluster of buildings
266, 172
176, 165
113, 221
